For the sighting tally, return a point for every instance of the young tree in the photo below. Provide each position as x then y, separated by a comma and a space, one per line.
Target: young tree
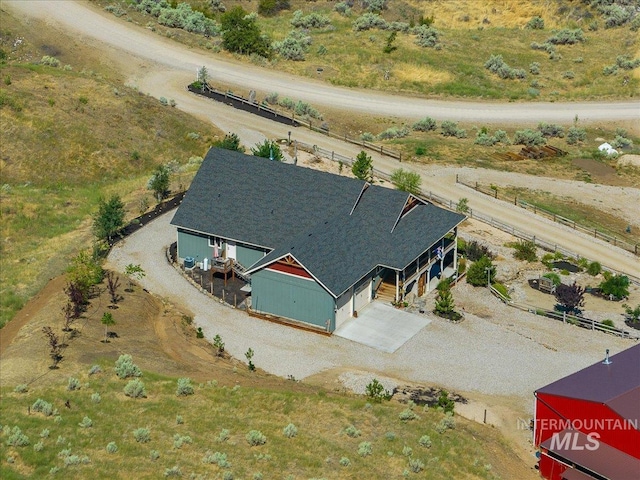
54, 345
481, 271
406, 181
632, 313
570, 296
444, 300
616, 286
107, 321
241, 34
363, 167
109, 219
113, 283
159, 182
134, 272
203, 75
268, 149
77, 299
231, 141
69, 318
463, 205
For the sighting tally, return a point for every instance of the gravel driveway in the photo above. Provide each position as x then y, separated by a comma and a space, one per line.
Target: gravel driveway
507, 353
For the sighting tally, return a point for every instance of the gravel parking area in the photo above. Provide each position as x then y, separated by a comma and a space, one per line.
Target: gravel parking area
497, 350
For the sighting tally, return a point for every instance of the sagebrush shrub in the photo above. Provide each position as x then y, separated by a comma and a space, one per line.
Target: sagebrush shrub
352, 431
290, 431
173, 471
427, 124
95, 369
426, 36
408, 415
407, 451
21, 388
50, 61
43, 407
529, 138
154, 455
44, 433
345, 462
394, 132
294, 46
17, 438
551, 130
575, 135
447, 423
73, 384
621, 142
86, 422
223, 436
255, 438
184, 387
38, 447
416, 465
112, 447
425, 441
536, 23
369, 21
179, 420
179, 440
365, 449
217, 458
313, 20
450, 129
125, 367
135, 389
567, 37
142, 435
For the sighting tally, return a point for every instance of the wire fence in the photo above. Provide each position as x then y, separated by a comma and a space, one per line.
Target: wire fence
493, 192
566, 318
453, 205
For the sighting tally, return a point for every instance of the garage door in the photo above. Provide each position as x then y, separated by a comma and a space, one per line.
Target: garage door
362, 295
343, 312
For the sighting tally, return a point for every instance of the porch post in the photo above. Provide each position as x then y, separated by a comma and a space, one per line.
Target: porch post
455, 251
397, 286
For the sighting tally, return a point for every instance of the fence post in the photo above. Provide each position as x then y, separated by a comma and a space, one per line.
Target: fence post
515, 200
457, 178
564, 317
476, 186
332, 155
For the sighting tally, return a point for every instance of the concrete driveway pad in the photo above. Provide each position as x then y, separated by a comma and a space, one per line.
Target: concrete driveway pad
382, 327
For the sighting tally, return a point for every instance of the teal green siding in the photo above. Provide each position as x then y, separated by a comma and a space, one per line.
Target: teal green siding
247, 256
194, 245
292, 297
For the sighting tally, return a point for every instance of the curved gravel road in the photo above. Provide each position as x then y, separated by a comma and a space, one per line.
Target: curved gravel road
130, 39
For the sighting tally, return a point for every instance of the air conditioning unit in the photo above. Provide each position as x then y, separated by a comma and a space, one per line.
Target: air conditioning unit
189, 262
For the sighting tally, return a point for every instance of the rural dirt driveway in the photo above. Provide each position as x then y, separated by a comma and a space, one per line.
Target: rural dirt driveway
161, 67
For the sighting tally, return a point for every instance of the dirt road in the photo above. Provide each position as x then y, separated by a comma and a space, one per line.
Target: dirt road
160, 67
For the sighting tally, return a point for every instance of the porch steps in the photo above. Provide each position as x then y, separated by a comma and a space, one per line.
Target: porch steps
386, 293
241, 271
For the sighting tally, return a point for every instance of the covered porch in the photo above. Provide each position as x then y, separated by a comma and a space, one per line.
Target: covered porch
422, 275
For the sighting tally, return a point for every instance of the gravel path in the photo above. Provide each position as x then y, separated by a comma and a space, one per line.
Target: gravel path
499, 351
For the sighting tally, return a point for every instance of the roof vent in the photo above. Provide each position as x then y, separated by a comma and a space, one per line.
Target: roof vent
607, 361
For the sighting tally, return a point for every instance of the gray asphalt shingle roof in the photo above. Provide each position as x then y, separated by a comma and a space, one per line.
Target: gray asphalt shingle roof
311, 217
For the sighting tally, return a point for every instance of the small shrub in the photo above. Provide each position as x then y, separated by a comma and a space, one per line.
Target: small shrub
529, 138
227, 475
536, 23
179, 420
184, 387
163, 101
290, 431
95, 369
86, 422
568, 75
416, 465
369, 21
616, 286
38, 447
394, 132
477, 273
567, 37
125, 367
154, 455
551, 130
345, 462
255, 438
218, 346
112, 447
525, 250
475, 251
43, 407
217, 458
444, 402
135, 389
576, 135
173, 471
44, 433
365, 449
17, 438
21, 388
426, 36
96, 398
223, 436
425, 441
61, 440
352, 431
621, 142
427, 124
447, 423
407, 451
50, 61
607, 323
73, 384
142, 435
554, 277
408, 415
179, 440
534, 68
390, 436
450, 129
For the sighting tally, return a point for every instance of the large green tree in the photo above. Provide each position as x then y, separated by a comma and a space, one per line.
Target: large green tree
230, 141
363, 167
481, 271
241, 34
109, 219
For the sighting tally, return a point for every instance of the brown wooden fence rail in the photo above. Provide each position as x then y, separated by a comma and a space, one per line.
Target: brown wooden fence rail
578, 320
493, 192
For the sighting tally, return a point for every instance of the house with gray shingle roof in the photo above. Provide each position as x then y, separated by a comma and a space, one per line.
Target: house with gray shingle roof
317, 247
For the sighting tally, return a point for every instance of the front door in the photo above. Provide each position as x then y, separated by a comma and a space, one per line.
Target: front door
422, 282
231, 250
